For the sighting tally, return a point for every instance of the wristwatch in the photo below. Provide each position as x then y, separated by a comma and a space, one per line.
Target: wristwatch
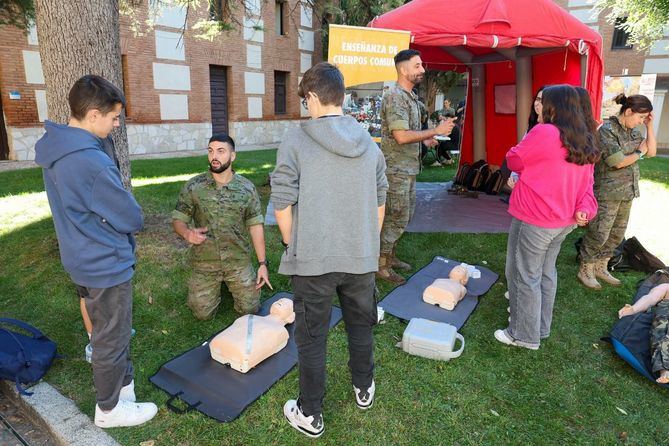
264, 262
640, 153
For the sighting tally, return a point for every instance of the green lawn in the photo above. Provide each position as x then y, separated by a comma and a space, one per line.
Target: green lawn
573, 390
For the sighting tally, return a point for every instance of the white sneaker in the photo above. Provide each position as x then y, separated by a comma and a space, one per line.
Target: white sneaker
506, 294
128, 392
503, 337
125, 414
365, 398
435, 164
311, 426
88, 352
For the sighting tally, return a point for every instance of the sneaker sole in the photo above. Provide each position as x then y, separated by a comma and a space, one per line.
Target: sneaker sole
364, 407
303, 430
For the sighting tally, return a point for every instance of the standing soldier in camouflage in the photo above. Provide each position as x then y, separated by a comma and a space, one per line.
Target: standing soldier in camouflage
616, 185
224, 209
401, 135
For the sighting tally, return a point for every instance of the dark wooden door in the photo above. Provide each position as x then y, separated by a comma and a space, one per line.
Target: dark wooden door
218, 83
4, 143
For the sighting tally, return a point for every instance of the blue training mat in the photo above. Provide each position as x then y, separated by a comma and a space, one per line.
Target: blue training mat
217, 390
406, 301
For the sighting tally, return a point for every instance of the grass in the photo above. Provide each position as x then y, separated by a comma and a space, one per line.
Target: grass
574, 390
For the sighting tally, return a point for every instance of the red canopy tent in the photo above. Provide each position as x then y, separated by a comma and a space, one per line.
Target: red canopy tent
526, 43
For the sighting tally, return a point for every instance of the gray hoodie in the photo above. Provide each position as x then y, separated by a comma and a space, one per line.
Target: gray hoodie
333, 175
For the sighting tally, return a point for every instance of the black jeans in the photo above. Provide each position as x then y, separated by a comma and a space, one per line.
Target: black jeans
110, 310
313, 304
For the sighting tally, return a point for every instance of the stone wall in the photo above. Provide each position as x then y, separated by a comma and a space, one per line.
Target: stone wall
261, 132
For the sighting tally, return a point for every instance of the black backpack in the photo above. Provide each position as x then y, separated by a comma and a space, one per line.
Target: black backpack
24, 359
461, 175
630, 254
477, 175
639, 258
495, 183
630, 336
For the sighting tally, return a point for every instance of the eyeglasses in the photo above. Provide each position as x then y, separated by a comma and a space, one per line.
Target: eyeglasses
304, 103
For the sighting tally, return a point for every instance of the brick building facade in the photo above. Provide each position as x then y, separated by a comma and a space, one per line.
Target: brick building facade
622, 59
178, 89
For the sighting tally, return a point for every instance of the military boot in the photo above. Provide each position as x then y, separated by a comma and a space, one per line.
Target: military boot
602, 272
586, 274
398, 264
387, 273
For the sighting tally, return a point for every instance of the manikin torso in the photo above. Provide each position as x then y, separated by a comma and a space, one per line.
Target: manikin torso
448, 292
252, 339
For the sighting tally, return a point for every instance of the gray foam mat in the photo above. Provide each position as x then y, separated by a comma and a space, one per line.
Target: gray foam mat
438, 211
406, 301
217, 390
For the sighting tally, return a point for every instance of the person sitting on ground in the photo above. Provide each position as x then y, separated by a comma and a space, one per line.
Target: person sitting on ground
658, 298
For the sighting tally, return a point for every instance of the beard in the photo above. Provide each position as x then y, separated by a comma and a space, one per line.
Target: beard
221, 168
417, 79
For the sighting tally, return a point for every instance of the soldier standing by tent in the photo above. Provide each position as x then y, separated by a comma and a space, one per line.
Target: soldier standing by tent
401, 135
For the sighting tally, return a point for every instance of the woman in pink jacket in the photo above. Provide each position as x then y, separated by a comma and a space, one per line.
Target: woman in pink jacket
554, 193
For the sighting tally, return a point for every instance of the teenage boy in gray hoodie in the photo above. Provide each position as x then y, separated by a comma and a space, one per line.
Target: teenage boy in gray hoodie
95, 219
329, 192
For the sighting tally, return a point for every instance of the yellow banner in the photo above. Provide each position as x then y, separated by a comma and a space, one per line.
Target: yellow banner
365, 55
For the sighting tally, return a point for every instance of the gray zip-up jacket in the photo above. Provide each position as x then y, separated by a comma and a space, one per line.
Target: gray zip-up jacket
333, 175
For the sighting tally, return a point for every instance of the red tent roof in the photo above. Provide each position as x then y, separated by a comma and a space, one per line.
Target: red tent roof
530, 23
484, 26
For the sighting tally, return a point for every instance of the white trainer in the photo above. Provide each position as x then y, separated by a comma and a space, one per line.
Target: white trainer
88, 352
125, 414
128, 392
311, 426
364, 398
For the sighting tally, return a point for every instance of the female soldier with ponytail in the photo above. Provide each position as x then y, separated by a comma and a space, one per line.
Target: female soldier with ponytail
616, 185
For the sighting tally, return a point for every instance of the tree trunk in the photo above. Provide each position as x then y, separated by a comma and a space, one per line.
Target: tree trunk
79, 37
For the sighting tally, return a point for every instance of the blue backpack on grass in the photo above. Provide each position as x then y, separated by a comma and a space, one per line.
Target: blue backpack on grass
24, 359
630, 335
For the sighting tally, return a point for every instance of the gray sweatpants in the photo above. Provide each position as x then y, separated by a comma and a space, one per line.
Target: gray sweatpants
531, 276
110, 310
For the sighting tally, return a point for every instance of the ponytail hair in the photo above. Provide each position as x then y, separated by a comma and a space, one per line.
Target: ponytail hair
638, 103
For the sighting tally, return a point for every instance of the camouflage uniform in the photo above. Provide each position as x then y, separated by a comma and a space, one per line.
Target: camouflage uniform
659, 337
614, 189
225, 256
400, 110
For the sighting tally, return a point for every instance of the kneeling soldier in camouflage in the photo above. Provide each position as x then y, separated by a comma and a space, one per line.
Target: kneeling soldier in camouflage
224, 209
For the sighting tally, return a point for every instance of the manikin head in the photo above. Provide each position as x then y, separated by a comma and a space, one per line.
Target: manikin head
95, 105
282, 310
409, 66
221, 152
459, 274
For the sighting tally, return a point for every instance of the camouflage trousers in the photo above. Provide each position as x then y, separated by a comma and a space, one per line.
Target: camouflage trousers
659, 337
606, 231
400, 205
204, 289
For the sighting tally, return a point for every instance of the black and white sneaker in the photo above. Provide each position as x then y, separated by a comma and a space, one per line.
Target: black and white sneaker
365, 398
311, 426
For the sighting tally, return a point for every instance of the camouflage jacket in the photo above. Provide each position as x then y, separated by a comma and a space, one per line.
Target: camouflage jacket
615, 142
226, 211
400, 110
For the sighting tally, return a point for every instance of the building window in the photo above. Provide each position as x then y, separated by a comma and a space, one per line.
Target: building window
218, 10
126, 87
620, 36
280, 12
280, 83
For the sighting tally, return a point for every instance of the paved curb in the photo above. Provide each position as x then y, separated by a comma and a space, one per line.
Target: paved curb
59, 415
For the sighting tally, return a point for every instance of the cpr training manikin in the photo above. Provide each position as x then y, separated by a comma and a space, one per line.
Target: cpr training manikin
448, 292
251, 339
